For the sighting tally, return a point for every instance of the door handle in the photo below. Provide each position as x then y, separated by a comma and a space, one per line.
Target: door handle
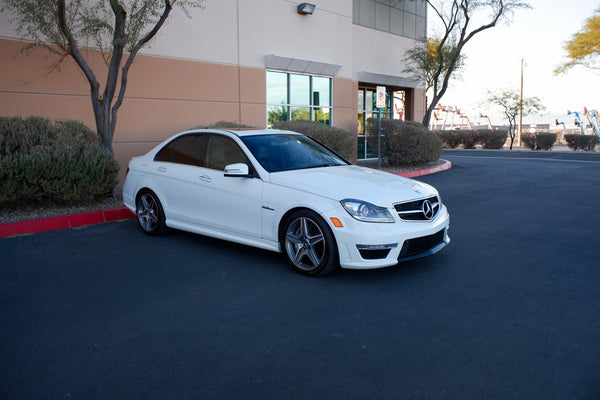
205, 178
162, 169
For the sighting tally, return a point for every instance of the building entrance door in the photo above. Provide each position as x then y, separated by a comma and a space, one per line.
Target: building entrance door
367, 117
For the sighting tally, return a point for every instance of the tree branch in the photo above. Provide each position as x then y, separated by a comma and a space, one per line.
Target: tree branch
133, 53
73, 50
119, 38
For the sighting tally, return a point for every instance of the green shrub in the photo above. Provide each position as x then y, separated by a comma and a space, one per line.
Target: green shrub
528, 140
545, 140
60, 162
339, 140
492, 140
582, 142
453, 139
450, 139
539, 140
406, 143
469, 139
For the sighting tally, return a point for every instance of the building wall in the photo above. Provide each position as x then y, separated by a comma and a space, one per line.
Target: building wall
207, 65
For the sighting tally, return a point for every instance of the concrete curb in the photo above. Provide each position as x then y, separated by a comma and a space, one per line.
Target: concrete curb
123, 213
64, 222
446, 165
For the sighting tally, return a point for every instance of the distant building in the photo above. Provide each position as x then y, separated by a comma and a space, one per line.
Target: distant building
249, 62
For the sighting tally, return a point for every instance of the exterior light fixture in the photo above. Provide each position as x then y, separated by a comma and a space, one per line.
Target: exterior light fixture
306, 8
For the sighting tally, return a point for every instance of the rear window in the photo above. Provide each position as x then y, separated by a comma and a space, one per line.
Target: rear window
187, 149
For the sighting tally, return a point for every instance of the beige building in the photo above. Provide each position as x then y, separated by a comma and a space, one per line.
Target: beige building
245, 61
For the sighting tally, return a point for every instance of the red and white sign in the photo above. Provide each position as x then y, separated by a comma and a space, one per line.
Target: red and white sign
380, 97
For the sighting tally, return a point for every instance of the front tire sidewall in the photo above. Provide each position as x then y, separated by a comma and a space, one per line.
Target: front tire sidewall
327, 254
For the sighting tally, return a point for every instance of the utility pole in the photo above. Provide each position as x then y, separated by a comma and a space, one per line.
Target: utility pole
521, 108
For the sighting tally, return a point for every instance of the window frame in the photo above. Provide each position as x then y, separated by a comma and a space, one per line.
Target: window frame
290, 109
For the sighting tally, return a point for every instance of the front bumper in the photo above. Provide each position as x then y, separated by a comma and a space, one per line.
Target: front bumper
365, 245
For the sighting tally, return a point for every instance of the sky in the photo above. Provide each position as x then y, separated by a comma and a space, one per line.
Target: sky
536, 35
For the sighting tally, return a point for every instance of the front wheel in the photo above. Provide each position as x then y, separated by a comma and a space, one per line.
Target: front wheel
309, 244
150, 214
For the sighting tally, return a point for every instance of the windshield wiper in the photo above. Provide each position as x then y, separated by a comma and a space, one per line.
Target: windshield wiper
320, 165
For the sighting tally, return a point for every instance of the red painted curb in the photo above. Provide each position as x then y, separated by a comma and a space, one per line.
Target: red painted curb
438, 168
64, 222
116, 214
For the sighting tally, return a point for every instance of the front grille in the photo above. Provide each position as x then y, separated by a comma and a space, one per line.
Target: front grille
413, 247
414, 210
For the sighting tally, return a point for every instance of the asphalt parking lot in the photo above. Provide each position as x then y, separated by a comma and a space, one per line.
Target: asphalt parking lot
509, 310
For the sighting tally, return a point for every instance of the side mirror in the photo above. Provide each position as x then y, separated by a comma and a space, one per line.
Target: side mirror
239, 170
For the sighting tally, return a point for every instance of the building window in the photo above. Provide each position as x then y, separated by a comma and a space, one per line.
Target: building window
395, 107
401, 17
297, 96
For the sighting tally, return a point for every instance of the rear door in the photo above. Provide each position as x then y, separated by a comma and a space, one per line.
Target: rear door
177, 171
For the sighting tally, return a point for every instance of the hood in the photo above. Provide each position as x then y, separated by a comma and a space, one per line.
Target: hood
353, 182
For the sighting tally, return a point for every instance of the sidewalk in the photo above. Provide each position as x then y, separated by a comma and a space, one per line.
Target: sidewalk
122, 213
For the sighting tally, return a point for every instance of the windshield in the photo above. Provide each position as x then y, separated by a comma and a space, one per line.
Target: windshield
285, 152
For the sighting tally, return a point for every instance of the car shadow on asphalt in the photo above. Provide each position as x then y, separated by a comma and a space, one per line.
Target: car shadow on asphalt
239, 258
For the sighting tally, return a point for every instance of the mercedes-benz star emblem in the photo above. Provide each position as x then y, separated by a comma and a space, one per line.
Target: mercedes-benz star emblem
427, 209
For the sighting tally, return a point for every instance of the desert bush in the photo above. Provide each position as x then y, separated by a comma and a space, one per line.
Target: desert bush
539, 140
61, 162
582, 142
453, 139
545, 140
406, 143
339, 140
469, 139
492, 140
450, 139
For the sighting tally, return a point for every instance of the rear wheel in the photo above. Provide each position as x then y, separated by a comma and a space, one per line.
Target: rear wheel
309, 244
150, 214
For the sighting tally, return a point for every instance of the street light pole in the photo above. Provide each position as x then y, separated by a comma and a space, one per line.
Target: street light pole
521, 108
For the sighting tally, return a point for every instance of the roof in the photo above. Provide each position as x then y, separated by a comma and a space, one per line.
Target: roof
247, 132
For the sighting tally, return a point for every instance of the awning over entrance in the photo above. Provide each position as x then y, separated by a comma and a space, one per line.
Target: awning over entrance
300, 65
389, 80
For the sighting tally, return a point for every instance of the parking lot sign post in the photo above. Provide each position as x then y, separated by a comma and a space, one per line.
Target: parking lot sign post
380, 104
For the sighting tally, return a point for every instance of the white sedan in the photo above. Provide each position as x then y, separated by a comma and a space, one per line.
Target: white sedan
285, 192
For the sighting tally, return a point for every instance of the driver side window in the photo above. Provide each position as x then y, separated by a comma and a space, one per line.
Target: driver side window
222, 151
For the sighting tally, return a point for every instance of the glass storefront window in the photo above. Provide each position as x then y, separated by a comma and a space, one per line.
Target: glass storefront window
361, 99
299, 89
321, 91
297, 96
277, 88
370, 99
399, 107
277, 113
300, 113
323, 115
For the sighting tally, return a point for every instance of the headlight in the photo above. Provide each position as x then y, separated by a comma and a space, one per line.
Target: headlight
367, 212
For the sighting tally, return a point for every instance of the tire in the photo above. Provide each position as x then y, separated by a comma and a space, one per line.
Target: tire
150, 214
309, 244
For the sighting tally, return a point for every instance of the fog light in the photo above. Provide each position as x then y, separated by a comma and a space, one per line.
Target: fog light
375, 252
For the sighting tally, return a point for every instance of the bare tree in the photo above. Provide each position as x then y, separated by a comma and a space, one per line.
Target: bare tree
114, 27
456, 19
509, 101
